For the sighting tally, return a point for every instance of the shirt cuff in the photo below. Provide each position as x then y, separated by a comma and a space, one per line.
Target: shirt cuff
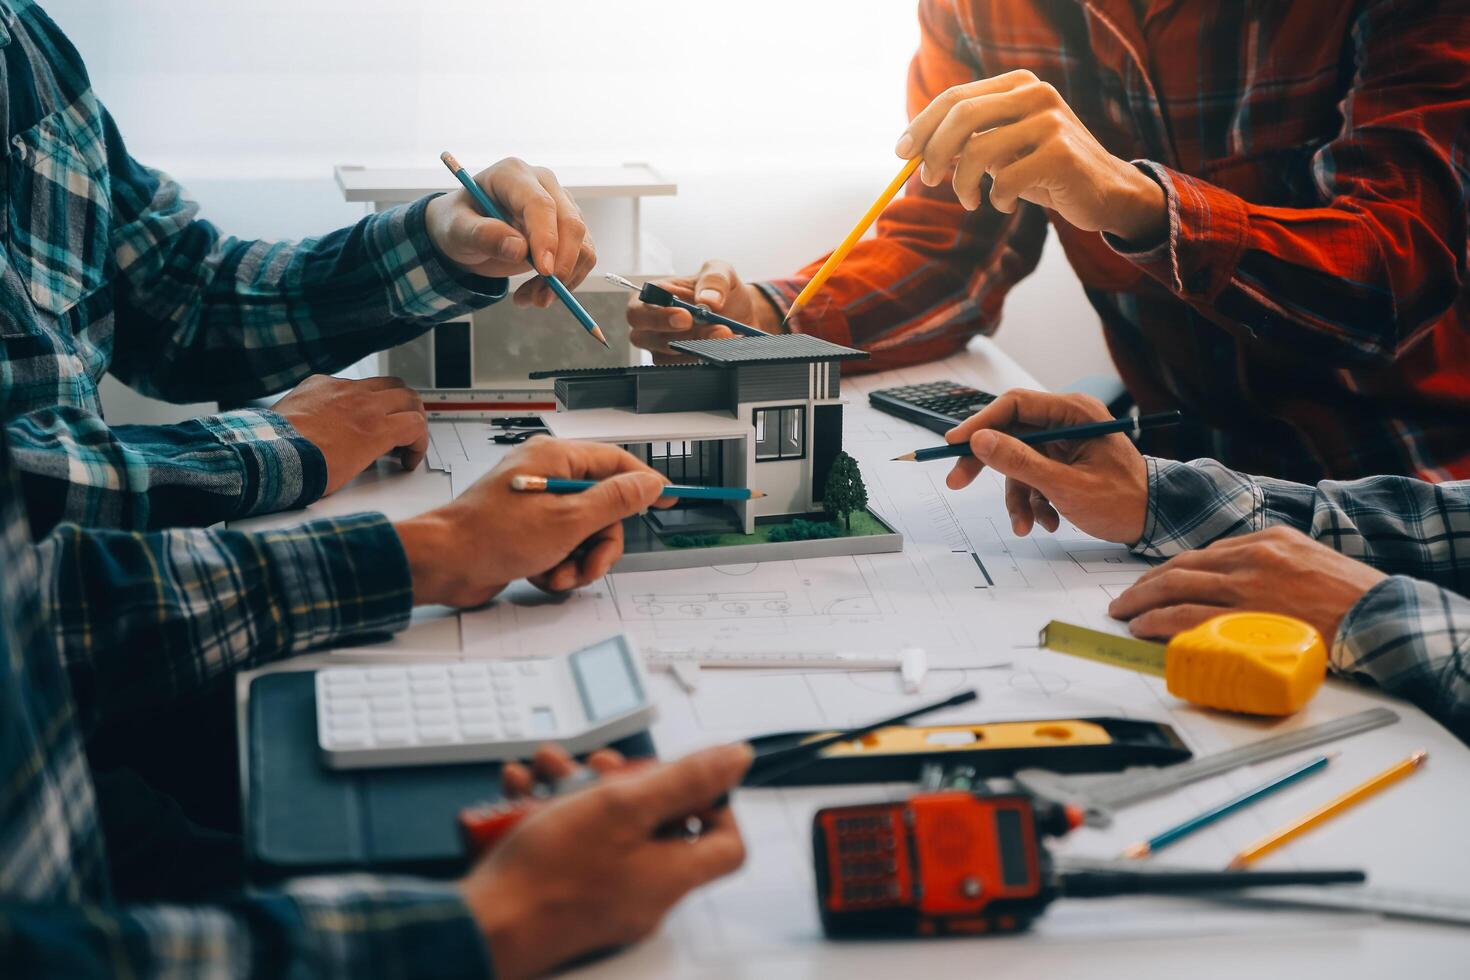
1206, 237
829, 324
363, 926
1192, 504
421, 284
339, 577
1412, 639
279, 469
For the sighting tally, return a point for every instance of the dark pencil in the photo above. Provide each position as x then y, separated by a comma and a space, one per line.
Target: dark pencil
1089, 430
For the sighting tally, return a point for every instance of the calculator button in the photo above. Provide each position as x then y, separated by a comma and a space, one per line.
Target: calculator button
389, 703
346, 706
472, 684
386, 674
427, 673
530, 669
339, 691
476, 730
477, 718
434, 717
499, 670
430, 687
382, 689
392, 736
466, 670
505, 697
344, 722
348, 739
435, 734
430, 701
472, 700
514, 729
335, 677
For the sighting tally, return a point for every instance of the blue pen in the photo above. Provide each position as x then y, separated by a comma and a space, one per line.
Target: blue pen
551, 484
1087, 430
492, 211
1160, 841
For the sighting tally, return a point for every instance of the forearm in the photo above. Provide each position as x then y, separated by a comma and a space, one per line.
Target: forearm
142, 618
1412, 639
339, 927
204, 317
1396, 524
75, 468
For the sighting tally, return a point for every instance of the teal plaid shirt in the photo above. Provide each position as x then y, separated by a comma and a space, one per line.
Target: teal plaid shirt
106, 266
1410, 634
98, 625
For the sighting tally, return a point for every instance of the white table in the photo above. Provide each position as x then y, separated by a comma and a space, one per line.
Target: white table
762, 922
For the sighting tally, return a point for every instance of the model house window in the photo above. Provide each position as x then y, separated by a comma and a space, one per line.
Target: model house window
780, 433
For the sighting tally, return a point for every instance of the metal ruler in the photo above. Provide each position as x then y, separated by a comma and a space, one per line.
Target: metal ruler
1101, 795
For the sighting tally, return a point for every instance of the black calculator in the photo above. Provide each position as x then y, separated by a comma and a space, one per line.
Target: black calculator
938, 405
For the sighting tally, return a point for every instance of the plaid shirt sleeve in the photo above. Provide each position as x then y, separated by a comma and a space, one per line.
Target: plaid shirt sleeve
1410, 634
349, 927
1361, 277
142, 618
935, 274
74, 467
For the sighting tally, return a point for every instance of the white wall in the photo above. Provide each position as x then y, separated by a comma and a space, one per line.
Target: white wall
777, 117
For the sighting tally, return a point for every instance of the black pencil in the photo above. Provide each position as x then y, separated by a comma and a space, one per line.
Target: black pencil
1089, 430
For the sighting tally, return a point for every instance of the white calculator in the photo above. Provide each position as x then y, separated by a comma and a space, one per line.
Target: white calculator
475, 711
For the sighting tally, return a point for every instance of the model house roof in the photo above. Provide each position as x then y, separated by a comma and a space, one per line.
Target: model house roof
771, 349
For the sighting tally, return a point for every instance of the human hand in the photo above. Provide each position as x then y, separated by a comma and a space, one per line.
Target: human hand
1278, 570
545, 225
1017, 129
464, 553
552, 763
1099, 484
592, 870
355, 422
717, 286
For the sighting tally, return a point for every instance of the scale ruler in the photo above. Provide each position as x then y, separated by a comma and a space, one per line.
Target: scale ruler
798, 660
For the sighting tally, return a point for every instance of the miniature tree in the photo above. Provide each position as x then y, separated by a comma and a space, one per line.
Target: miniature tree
845, 491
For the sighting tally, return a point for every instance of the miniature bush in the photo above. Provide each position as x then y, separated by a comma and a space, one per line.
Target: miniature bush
804, 530
845, 491
692, 540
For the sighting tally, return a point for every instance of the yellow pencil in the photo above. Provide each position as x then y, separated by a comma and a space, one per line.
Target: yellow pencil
1326, 812
840, 253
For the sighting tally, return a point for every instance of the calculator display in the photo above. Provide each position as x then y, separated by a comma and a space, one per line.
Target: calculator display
607, 682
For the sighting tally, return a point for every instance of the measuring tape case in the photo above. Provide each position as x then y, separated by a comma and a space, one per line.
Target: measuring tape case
899, 753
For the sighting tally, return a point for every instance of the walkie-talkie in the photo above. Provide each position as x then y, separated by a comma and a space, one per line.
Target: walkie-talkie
975, 863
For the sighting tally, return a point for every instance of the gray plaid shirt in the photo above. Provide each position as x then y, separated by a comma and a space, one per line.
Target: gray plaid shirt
1410, 634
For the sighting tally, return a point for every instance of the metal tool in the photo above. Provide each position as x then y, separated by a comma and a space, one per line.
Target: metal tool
655, 295
1100, 795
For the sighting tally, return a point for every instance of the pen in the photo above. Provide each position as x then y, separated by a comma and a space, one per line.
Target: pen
551, 484
655, 295
1160, 841
853, 237
1327, 811
1088, 430
492, 211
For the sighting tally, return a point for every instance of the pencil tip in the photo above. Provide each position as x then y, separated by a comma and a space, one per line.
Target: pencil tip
1236, 865
597, 332
905, 458
757, 493
1137, 851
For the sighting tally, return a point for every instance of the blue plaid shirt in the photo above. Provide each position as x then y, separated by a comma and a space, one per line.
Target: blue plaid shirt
106, 266
1410, 634
97, 624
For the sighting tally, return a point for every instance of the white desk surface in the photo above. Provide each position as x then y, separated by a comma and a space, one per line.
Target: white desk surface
762, 921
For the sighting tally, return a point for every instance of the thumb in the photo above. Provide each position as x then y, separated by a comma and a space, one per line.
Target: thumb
618, 497
1013, 458
715, 282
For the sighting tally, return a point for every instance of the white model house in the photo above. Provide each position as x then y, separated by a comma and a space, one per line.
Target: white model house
761, 412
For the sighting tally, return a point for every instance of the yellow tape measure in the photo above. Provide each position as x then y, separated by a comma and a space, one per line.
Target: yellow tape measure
1255, 663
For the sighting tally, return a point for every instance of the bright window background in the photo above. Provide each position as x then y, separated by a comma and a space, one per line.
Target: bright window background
776, 117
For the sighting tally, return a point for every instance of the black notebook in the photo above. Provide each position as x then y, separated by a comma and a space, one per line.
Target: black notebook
303, 818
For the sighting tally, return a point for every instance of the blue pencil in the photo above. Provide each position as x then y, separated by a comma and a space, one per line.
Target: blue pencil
1087, 430
493, 211
1160, 841
551, 484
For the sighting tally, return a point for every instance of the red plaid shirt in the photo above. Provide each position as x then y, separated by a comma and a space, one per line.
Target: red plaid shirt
1311, 306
